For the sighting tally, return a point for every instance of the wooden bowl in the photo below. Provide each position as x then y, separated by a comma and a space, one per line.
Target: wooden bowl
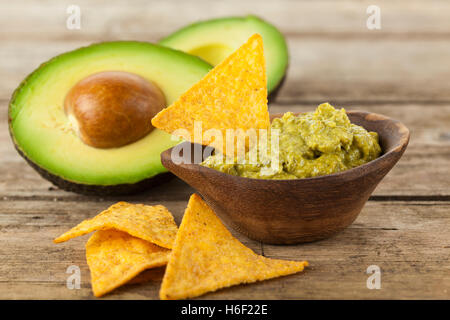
299, 210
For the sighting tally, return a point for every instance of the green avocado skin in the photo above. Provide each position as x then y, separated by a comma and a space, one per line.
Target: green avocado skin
230, 33
192, 68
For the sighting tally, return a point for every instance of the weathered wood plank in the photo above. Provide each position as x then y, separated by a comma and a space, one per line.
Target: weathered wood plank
114, 18
424, 170
410, 242
367, 70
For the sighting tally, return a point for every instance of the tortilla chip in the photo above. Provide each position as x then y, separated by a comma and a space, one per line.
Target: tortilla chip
114, 257
233, 95
206, 257
152, 223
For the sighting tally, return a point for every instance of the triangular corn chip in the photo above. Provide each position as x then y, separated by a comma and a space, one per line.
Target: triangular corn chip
233, 95
206, 257
114, 258
151, 223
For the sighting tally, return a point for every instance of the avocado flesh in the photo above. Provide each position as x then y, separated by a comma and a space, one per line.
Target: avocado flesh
213, 40
41, 130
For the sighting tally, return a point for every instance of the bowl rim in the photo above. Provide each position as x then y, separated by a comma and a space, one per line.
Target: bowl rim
364, 168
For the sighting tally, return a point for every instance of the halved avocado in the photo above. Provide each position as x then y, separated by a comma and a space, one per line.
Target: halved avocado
214, 40
41, 129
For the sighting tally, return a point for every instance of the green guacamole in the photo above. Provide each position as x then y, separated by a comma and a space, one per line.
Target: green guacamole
311, 144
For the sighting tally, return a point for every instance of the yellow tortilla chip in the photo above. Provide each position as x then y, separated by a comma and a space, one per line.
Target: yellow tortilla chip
152, 223
114, 258
233, 95
206, 257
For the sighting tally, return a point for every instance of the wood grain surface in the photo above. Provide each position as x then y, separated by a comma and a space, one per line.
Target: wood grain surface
402, 71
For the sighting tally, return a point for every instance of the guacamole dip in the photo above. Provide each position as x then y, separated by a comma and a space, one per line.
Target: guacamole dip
311, 144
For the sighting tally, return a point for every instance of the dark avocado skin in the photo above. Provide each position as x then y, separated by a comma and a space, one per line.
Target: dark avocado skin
85, 189
97, 190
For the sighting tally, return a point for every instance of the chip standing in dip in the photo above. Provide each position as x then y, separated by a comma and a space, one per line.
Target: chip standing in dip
311, 144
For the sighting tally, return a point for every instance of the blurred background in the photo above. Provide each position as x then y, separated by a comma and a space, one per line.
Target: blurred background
334, 56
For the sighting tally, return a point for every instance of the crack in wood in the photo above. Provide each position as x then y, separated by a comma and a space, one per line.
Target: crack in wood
350, 102
146, 198
405, 198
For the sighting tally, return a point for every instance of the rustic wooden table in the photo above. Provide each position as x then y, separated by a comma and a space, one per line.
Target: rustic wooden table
402, 71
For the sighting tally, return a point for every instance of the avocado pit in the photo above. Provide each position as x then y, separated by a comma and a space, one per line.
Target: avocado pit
113, 108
